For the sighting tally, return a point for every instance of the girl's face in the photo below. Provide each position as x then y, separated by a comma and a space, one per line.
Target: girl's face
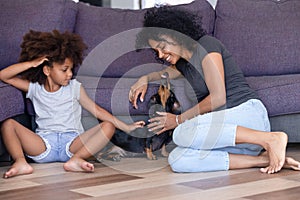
169, 50
59, 74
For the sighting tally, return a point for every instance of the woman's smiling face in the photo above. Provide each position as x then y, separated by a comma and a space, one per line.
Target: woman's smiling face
168, 50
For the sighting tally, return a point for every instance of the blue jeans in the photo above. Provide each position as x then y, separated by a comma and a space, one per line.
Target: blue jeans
57, 147
204, 142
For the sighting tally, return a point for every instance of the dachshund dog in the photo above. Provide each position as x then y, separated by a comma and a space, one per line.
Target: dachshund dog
142, 140
163, 101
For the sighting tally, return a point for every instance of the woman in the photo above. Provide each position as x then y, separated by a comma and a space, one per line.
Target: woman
229, 127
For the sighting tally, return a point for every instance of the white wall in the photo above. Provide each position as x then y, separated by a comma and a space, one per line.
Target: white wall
129, 4
151, 3
134, 4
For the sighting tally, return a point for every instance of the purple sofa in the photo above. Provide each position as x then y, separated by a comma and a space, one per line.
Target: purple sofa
262, 35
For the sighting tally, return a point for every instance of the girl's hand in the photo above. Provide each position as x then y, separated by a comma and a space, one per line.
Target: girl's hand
139, 88
37, 62
135, 125
163, 122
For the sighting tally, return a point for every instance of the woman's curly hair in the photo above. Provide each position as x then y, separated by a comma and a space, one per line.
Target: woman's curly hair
181, 25
55, 46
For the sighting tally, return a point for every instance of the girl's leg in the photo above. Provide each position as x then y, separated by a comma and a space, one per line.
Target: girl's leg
18, 139
87, 144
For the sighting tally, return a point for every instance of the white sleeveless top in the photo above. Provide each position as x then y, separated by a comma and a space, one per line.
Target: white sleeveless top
58, 111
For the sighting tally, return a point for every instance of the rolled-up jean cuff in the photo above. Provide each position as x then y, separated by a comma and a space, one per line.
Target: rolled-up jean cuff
42, 155
68, 152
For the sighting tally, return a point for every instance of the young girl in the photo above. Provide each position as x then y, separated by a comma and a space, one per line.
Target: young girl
229, 126
46, 67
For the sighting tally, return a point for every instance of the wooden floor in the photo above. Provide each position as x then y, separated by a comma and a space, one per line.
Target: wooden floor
139, 178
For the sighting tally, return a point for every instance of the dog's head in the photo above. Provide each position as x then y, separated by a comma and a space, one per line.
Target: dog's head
164, 100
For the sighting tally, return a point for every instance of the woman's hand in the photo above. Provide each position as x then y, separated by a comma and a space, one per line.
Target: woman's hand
135, 125
163, 122
138, 89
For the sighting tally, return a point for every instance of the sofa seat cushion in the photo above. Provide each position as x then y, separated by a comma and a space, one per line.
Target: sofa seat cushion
17, 17
114, 30
11, 101
112, 94
262, 35
280, 94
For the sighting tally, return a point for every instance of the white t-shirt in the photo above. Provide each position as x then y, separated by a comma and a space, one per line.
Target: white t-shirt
58, 111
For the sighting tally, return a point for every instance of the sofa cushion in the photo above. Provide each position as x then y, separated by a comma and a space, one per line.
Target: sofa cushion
17, 17
262, 35
113, 31
11, 101
280, 94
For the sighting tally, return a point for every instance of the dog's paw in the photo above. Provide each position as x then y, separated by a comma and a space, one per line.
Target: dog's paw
150, 154
111, 156
118, 150
164, 151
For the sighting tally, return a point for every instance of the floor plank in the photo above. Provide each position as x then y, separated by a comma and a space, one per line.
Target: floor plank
139, 178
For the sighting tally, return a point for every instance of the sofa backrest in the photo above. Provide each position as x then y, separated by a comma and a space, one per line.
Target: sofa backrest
110, 36
17, 17
262, 35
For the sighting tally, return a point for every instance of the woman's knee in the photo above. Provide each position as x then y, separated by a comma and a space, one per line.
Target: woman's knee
177, 161
178, 136
192, 160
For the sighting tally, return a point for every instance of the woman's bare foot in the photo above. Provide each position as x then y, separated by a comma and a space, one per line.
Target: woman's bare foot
76, 164
276, 148
18, 168
290, 163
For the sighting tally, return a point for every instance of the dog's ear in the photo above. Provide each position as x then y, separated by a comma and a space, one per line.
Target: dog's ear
173, 105
154, 99
176, 109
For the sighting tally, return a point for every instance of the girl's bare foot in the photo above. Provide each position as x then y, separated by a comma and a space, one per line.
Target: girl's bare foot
18, 168
276, 148
78, 165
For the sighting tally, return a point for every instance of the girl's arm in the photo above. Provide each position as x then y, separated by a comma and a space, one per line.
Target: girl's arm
104, 115
10, 74
140, 87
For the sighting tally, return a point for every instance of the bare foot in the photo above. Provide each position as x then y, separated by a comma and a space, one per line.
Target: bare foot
78, 165
291, 163
276, 148
20, 167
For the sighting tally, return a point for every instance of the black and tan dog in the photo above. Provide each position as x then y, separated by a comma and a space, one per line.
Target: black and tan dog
143, 141
163, 101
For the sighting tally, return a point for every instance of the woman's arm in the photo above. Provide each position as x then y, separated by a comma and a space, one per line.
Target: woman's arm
140, 87
10, 74
213, 70
104, 115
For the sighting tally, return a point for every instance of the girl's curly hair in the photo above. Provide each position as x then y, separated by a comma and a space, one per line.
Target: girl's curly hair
181, 25
55, 46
